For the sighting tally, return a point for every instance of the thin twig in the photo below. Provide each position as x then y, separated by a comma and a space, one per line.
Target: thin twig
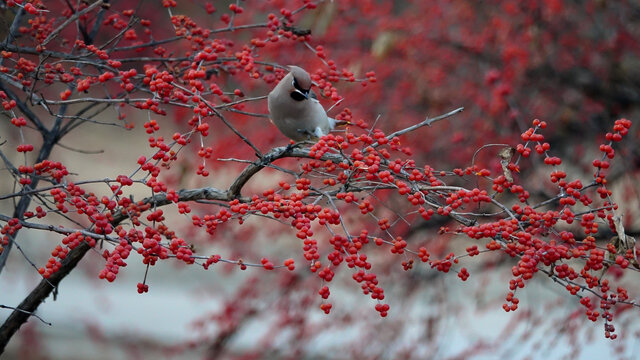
26, 312
426, 122
71, 19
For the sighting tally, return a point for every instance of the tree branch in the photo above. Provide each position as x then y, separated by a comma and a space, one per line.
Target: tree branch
71, 19
427, 122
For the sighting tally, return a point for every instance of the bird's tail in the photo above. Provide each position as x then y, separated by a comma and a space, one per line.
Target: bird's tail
334, 123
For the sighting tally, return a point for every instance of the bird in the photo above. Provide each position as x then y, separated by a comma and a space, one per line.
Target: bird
295, 110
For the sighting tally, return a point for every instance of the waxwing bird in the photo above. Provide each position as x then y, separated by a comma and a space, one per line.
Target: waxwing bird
295, 110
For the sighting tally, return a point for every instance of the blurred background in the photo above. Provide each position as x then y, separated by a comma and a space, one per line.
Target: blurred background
573, 64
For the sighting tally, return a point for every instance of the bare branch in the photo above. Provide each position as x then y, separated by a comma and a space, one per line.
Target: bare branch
71, 19
426, 122
26, 312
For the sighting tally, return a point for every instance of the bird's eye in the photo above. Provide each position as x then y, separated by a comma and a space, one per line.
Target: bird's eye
297, 96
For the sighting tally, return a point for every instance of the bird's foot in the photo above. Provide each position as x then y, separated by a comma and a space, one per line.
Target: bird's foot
271, 157
290, 146
266, 160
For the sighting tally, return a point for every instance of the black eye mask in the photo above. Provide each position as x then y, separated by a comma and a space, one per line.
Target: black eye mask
299, 93
297, 96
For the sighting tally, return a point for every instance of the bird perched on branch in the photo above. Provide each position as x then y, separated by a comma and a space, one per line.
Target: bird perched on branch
295, 109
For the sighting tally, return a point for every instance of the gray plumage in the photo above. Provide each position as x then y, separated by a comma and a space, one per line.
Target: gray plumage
294, 109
